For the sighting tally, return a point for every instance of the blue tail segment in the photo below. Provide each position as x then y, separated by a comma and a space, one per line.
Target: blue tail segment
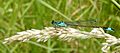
108, 29
64, 24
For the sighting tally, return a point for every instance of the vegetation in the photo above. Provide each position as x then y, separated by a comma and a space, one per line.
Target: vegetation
20, 15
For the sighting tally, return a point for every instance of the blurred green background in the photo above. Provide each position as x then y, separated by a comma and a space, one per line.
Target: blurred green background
20, 15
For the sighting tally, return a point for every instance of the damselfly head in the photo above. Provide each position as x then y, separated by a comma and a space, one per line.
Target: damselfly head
59, 23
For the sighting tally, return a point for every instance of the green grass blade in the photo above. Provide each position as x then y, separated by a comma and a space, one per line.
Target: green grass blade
47, 5
31, 42
116, 4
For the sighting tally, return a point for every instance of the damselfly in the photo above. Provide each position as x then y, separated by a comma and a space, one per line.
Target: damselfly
65, 24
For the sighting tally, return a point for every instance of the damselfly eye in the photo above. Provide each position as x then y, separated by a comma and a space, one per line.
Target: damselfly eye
53, 22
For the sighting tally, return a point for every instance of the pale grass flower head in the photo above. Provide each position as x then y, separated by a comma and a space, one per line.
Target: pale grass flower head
66, 34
